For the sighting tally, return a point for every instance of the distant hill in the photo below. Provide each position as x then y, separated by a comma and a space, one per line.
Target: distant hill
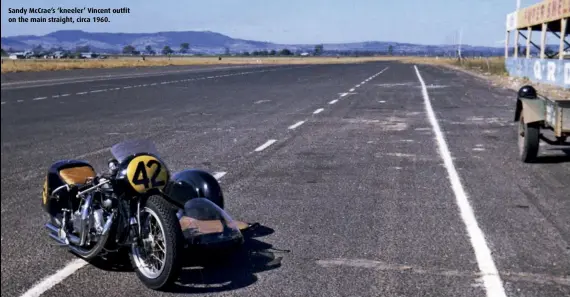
207, 42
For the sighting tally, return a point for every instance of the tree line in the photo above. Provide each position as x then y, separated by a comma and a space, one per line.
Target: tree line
185, 48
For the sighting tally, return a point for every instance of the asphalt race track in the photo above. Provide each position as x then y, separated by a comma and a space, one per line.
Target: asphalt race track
371, 179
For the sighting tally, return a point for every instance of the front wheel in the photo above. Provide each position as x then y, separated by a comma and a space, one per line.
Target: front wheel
156, 256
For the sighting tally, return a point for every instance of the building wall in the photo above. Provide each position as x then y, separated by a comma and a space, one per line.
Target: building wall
549, 71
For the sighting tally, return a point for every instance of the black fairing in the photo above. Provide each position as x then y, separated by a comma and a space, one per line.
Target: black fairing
193, 183
527, 92
53, 206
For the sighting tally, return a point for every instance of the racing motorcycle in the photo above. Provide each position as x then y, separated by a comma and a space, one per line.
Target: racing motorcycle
137, 207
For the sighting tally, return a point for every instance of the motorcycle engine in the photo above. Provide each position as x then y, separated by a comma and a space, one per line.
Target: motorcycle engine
96, 218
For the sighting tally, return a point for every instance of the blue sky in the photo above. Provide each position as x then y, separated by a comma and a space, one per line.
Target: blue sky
293, 21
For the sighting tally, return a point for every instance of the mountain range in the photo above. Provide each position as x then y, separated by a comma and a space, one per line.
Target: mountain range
207, 42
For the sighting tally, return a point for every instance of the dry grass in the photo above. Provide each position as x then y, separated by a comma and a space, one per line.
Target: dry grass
493, 65
53, 65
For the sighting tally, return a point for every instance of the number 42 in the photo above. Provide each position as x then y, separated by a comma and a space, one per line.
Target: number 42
142, 172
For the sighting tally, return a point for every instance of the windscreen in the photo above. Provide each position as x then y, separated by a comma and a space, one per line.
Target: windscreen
123, 150
201, 219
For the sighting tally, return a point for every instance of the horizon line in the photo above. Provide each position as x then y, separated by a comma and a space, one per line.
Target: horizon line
276, 43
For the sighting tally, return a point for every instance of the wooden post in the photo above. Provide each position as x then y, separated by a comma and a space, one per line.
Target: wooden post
528, 38
507, 45
517, 43
563, 23
543, 42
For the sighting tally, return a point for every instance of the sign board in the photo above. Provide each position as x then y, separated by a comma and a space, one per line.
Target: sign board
512, 21
548, 71
543, 12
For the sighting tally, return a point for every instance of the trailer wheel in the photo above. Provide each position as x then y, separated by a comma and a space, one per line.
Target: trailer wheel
528, 140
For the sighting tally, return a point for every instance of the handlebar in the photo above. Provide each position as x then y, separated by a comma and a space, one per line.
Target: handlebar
99, 182
93, 184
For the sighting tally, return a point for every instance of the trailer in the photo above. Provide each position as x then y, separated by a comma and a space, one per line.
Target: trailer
536, 114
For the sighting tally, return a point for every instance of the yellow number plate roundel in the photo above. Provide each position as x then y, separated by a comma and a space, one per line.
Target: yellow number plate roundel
145, 173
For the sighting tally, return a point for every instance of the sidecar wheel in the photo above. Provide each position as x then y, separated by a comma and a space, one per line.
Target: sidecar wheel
157, 262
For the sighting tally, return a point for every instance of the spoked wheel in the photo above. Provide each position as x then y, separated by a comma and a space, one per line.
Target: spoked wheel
528, 140
156, 257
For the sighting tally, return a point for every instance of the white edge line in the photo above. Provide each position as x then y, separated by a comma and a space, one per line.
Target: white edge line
52, 280
490, 275
318, 110
265, 145
297, 124
218, 175
333, 102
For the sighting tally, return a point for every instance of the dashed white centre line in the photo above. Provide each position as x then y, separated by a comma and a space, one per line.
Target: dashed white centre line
351, 90
154, 84
265, 145
333, 102
489, 274
297, 124
3, 102
318, 111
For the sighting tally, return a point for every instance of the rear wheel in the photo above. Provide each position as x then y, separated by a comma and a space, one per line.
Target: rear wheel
156, 257
528, 140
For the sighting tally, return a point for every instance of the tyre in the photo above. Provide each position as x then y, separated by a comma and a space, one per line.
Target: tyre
156, 259
528, 140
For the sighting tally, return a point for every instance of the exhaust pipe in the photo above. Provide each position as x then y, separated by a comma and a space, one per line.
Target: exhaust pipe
84, 253
54, 233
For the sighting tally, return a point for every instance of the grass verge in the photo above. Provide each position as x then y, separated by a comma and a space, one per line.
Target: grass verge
54, 65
